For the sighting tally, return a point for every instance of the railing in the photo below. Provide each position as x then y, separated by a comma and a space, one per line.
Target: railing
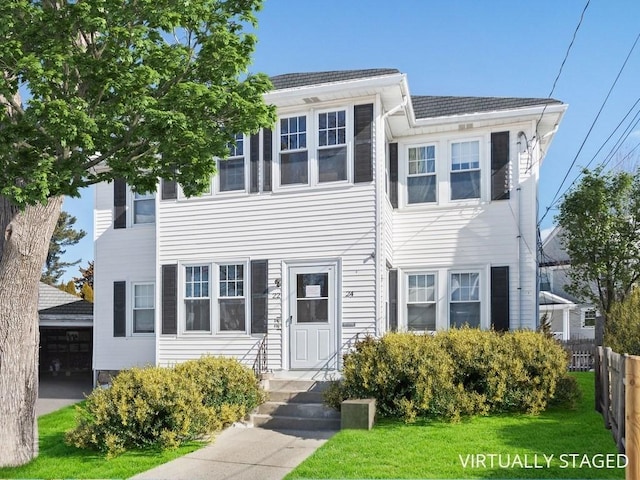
260, 363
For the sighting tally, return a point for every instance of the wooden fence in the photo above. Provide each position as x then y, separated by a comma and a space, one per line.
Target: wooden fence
582, 355
618, 400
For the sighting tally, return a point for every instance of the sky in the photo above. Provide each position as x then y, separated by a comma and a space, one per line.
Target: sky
501, 48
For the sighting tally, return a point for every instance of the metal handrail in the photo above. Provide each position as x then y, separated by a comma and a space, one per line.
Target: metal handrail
260, 363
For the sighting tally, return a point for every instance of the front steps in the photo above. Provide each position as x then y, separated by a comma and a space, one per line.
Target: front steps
295, 405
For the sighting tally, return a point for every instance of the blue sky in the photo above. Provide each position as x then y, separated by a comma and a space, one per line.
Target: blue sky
505, 48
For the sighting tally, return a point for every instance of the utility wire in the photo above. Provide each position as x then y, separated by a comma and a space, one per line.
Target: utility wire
575, 158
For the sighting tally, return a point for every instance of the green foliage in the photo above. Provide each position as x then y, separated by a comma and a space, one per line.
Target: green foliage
68, 287
599, 218
164, 407
148, 89
64, 235
568, 393
87, 293
622, 330
452, 374
229, 388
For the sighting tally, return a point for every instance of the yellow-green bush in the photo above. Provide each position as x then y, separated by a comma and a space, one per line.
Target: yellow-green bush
231, 389
165, 407
453, 373
622, 328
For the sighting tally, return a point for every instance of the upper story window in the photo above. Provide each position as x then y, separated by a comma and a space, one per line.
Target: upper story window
332, 146
294, 165
231, 172
465, 170
464, 305
421, 302
421, 174
144, 208
143, 308
196, 298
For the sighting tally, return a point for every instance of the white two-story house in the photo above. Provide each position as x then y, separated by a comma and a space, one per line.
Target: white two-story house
365, 209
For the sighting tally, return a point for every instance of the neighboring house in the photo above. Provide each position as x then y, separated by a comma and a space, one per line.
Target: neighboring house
66, 331
570, 318
366, 209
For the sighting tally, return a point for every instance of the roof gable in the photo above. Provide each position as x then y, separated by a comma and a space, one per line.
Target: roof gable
53, 301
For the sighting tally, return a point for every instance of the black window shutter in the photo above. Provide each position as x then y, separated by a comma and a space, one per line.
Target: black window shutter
267, 145
363, 136
119, 309
120, 203
500, 299
500, 166
169, 189
393, 174
254, 163
393, 300
259, 295
169, 300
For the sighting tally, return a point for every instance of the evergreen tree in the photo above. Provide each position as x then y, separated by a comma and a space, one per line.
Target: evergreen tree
64, 235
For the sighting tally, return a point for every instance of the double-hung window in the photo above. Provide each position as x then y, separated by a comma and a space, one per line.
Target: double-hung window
421, 176
332, 146
232, 299
196, 299
464, 305
143, 308
144, 208
421, 302
589, 317
294, 163
231, 172
465, 170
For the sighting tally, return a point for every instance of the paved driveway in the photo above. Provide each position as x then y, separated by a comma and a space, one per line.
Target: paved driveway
60, 391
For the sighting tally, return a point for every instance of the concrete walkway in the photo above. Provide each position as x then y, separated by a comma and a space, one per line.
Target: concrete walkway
60, 391
241, 453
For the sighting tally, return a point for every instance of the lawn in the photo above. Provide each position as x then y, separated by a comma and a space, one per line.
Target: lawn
565, 439
57, 460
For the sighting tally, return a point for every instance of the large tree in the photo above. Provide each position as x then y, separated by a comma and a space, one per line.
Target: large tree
64, 235
94, 90
600, 219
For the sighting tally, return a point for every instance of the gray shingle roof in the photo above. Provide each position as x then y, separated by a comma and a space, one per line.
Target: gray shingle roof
294, 80
431, 106
53, 301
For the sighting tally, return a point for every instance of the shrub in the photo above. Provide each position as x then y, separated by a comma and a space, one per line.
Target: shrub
231, 389
568, 393
622, 328
165, 407
142, 408
453, 373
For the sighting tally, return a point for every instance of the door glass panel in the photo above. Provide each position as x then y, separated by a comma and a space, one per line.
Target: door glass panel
312, 298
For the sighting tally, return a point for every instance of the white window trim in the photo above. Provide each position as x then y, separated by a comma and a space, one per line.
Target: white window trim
583, 313
313, 142
482, 294
132, 308
406, 302
131, 210
214, 295
483, 165
436, 173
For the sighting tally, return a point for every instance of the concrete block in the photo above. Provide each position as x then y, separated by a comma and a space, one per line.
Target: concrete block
358, 413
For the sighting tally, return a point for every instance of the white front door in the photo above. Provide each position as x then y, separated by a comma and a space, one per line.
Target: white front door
312, 310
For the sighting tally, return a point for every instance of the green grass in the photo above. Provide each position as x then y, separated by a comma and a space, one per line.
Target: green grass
58, 460
431, 449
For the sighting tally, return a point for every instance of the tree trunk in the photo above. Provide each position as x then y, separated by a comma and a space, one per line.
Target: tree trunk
23, 249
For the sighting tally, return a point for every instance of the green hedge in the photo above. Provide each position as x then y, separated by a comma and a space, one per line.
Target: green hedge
454, 373
165, 407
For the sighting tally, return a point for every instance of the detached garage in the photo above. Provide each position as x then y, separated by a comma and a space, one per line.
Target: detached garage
66, 332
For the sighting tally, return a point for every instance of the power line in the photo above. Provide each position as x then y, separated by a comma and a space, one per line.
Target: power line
556, 195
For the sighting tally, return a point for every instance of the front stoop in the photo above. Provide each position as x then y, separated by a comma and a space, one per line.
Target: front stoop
295, 405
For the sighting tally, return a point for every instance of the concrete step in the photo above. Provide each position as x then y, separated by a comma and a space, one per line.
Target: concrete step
289, 385
294, 423
295, 397
303, 410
